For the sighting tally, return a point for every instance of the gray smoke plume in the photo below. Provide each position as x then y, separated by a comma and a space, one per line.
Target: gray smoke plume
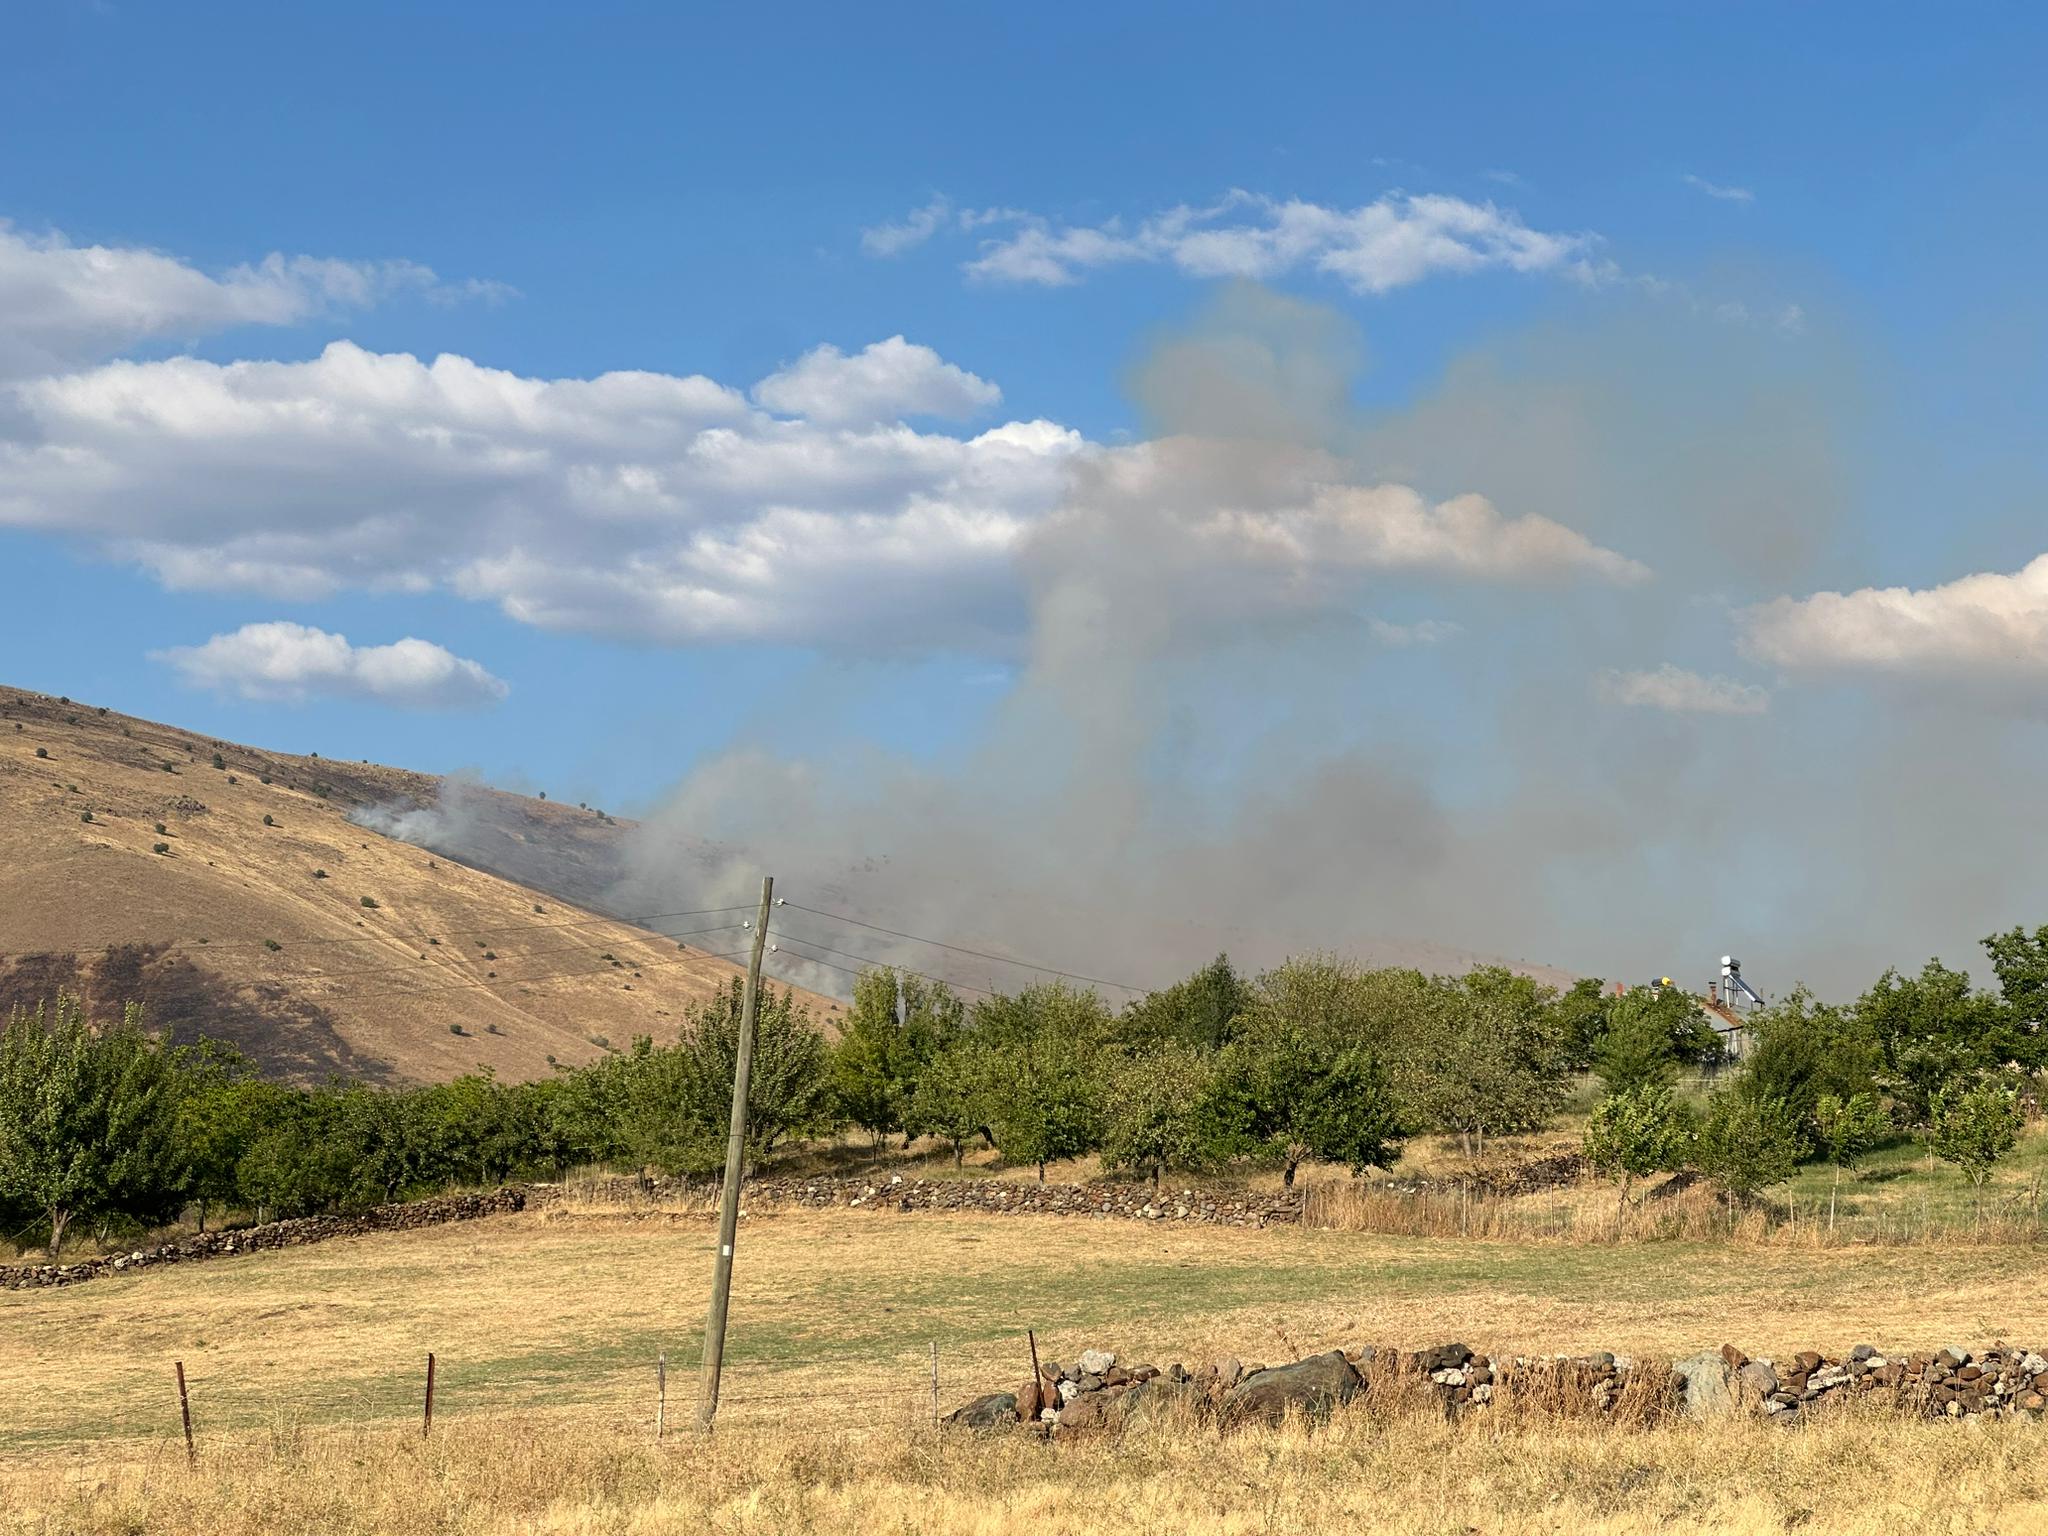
1217, 737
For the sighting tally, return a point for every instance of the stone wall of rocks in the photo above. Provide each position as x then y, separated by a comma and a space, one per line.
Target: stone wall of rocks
1106, 1201
276, 1234
1097, 1392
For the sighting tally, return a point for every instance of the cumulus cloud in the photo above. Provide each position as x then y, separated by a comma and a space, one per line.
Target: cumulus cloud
63, 304
669, 508
291, 663
1390, 243
884, 381
918, 226
1986, 628
1679, 692
1726, 194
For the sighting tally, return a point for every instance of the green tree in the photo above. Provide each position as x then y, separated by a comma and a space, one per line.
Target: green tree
1580, 1017
1803, 1048
1746, 1143
2020, 960
898, 1022
1044, 1098
952, 1098
1846, 1129
1933, 1028
1975, 1125
1197, 1011
1637, 1131
1285, 1092
87, 1119
1153, 1109
216, 1119
1635, 1051
675, 1102
1485, 1057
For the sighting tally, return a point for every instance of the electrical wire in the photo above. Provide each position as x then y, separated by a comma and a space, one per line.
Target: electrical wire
840, 917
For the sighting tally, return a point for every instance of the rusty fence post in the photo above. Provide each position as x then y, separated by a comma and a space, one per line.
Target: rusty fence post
1037, 1381
660, 1394
185, 1411
427, 1420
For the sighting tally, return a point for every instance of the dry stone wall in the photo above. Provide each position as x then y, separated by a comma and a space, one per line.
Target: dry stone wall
1096, 1392
276, 1234
1121, 1202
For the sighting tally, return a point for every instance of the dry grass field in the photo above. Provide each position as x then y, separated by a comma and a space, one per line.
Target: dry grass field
367, 991
306, 1368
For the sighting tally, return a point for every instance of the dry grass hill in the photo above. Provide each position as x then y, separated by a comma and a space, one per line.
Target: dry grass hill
262, 915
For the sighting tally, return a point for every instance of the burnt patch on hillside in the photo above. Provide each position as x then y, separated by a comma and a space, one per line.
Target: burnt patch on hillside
286, 1037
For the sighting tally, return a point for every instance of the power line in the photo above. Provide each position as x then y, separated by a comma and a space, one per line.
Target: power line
840, 917
790, 938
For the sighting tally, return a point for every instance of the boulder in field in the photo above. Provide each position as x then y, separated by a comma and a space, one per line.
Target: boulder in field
992, 1411
1706, 1384
1311, 1387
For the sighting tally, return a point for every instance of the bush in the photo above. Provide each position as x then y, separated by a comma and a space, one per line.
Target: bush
454, 1029
161, 829
1636, 1132
85, 815
160, 848
1975, 1125
319, 874
219, 761
268, 820
40, 751
371, 903
272, 944
1746, 1143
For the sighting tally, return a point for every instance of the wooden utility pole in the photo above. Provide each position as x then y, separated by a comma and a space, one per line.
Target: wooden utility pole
735, 1160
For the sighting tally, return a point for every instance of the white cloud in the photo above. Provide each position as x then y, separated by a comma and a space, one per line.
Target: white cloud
1679, 692
885, 381
653, 506
291, 663
918, 226
1726, 194
62, 305
671, 509
1390, 243
1987, 628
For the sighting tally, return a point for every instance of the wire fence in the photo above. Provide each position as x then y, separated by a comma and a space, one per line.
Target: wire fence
659, 1397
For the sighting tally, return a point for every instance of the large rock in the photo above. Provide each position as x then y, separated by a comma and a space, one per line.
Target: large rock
989, 1412
1094, 1410
1312, 1387
1706, 1384
1096, 1362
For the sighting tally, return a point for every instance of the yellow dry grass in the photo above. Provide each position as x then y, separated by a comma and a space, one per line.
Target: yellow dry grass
306, 1368
892, 1474
533, 1312
389, 981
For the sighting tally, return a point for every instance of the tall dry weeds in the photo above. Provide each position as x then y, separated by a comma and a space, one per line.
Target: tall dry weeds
1390, 1463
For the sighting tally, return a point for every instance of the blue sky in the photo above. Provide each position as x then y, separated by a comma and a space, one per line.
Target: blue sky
1722, 309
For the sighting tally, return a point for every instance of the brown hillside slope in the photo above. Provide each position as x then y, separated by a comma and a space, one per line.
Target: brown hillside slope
367, 991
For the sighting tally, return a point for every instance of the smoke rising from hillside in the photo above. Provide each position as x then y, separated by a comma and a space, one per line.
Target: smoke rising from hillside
1211, 743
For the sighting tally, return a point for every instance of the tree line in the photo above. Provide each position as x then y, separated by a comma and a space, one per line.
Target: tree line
1316, 1059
